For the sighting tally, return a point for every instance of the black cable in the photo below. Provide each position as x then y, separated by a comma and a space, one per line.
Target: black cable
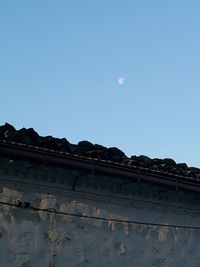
102, 218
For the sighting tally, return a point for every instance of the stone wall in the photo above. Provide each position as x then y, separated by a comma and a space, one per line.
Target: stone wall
43, 234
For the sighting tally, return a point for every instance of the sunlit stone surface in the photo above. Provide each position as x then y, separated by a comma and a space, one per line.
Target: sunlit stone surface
43, 238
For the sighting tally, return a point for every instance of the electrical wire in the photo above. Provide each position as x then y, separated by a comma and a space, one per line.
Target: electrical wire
30, 208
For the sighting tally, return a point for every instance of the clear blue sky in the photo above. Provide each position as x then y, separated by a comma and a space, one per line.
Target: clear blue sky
60, 61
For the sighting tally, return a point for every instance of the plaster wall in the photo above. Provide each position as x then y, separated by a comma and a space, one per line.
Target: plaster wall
43, 238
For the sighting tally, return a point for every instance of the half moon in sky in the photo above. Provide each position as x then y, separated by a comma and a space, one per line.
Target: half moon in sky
120, 80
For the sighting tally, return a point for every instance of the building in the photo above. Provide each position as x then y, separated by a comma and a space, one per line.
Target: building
87, 205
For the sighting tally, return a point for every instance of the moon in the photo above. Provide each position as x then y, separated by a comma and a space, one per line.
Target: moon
120, 80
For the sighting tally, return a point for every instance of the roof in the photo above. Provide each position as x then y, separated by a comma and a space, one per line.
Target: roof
83, 153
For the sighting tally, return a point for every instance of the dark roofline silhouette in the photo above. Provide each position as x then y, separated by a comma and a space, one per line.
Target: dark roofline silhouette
28, 143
